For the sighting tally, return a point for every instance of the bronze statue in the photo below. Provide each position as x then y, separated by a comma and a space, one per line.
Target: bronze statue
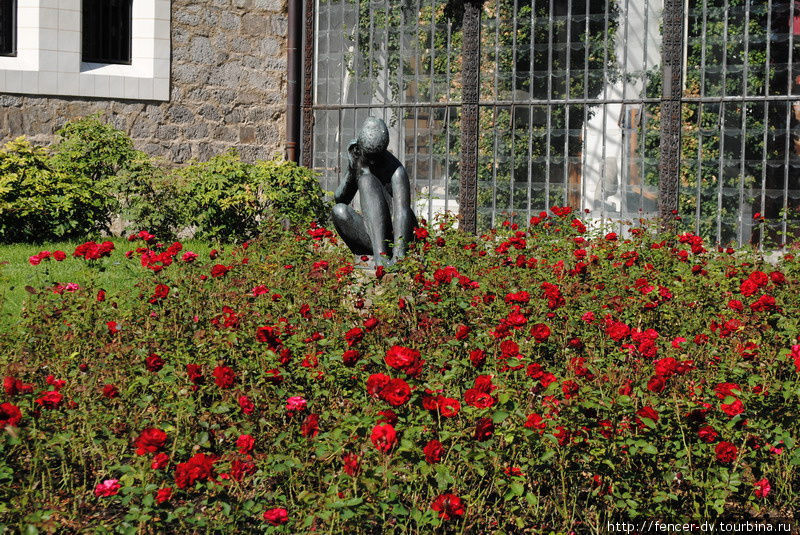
387, 226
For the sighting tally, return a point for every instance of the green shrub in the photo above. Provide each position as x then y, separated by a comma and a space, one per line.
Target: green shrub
227, 198
90, 148
40, 202
150, 198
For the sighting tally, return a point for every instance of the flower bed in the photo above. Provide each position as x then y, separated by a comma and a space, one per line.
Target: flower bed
540, 379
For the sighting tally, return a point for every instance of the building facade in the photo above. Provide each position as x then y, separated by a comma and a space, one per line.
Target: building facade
184, 79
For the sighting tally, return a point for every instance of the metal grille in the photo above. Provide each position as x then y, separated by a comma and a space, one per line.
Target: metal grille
107, 31
8, 27
741, 148
571, 103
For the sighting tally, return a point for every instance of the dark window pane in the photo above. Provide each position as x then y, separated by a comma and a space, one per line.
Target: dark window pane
8, 27
107, 31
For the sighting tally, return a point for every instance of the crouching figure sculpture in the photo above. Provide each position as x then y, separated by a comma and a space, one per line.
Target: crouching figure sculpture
387, 225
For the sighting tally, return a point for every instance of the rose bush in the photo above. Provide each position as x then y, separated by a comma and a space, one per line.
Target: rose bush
541, 378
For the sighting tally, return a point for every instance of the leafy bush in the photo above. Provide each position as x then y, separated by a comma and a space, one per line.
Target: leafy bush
227, 198
546, 379
89, 148
40, 201
149, 197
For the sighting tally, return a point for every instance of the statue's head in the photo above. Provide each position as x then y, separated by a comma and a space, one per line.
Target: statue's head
373, 137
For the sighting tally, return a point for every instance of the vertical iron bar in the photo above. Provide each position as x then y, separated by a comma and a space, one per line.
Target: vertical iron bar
789, 87
531, 82
624, 167
743, 154
765, 139
672, 69
567, 86
549, 107
700, 120
447, 123
386, 71
470, 50
605, 114
494, 109
584, 151
723, 111
431, 98
417, 93
645, 80
512, 178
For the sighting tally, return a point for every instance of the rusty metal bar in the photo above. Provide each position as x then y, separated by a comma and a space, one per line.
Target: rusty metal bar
470, 53
672, 89
307, 146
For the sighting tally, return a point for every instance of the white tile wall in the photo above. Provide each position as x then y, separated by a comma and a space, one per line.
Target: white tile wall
49, 51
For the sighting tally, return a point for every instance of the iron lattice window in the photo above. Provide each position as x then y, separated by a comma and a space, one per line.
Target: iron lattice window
107, 31
8, 28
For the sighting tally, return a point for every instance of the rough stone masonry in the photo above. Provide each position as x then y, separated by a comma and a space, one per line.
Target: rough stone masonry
228, 88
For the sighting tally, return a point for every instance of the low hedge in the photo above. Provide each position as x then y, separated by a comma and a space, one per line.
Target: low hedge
92, 174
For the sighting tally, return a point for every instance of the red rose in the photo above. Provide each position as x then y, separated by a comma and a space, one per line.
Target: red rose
199, 468
448, 506
477, 357
748, 288
384, 437
50, 400
59, 256
310, 427
448, 407
159, 461
396, 392
351, 464
726, 452
246, 405
433, 451
540, 332
276, 516
219, 270
161, 292
224, 377
476, 398
732, 409
153, 363
371, 323
109, 487
617, 330
648, 412
10, 415
535, 421
150, 441
387, 416
163, 495
656, 384
462, 331
762, 487
195, 373
402, 358
376, 382
350, 357
354, 336
707, 434
112, 327
484, 429
245, 443
110, 391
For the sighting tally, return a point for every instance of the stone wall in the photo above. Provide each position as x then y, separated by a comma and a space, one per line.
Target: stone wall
228, 88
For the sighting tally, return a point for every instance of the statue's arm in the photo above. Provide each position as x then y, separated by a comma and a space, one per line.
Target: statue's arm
349, 185
403, 224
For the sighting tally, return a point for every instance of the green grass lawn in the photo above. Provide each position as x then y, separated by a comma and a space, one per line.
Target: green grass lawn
16, 273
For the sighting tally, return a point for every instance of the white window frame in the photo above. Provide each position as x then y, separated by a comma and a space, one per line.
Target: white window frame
48, 60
